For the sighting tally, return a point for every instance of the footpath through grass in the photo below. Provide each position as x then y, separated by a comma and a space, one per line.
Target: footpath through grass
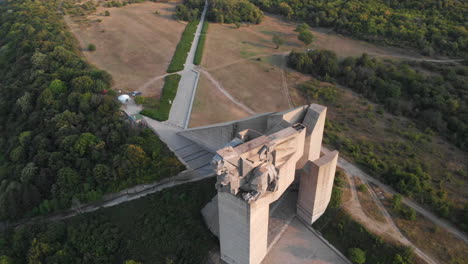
185, 43
201, 44
345, 234
160, 110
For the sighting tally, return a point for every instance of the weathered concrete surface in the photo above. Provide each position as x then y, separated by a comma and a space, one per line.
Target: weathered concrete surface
290, 241
299, 245
188, 152
243, 229
214, 137
315, 187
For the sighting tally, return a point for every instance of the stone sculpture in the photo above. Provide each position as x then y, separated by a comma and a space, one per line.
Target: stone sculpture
255, 162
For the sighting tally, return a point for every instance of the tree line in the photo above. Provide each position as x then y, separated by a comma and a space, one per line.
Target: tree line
62, 135
437, 100
221, 11
431, 26
164, 228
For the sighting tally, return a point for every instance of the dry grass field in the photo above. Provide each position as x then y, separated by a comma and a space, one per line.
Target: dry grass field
211, 106
247, 64
133, 44
432, 239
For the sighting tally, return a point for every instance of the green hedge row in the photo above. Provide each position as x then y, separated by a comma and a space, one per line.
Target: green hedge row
161, 111
181, 52
201, 44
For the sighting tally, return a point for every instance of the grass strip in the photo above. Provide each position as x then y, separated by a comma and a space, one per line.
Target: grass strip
160, 110
201, 44
181, 52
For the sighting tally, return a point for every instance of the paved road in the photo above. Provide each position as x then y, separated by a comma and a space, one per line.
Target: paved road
182, 105
353, 170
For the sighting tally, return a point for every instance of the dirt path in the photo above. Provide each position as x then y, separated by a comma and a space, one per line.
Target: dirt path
225, 93
245, 59
284, 81
154, 79
354, 207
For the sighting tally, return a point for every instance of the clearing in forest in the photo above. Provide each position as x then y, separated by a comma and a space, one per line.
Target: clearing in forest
133, 44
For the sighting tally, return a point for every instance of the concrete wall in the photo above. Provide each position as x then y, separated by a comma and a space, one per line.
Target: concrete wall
314, 121
214, 137
243, 230
315, 187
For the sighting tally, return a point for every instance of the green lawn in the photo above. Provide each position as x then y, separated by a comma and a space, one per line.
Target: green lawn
201, 44
185, 43
160, 110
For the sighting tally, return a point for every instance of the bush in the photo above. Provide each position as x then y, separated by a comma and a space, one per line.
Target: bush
161, 111
362, 188
356, 255
91, 47
181, 52
107, 13
201, 44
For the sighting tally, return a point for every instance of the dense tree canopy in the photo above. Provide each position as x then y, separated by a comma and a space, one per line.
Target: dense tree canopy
221, 11
429, 25
61, 138
437, 100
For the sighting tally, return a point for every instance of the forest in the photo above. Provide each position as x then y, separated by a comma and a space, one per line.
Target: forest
430, 26
438, 101
403, 88
221, 11
162, 228
62, 135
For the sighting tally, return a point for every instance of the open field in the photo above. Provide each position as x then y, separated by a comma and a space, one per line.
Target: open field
209, 98
245, 62
133, 44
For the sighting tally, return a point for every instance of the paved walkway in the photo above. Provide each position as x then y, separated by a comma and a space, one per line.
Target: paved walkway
191, 154
182, 105
301, 245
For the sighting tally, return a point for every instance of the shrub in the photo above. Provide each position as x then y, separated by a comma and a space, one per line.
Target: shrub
201, 44
181, 52
91, 47
362, 188
107, 13
356, 255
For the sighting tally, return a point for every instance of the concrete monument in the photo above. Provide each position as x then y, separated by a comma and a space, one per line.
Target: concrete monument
256, 160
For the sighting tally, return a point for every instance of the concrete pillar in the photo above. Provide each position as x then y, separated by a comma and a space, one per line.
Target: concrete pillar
316, 186
243, 229
314, 121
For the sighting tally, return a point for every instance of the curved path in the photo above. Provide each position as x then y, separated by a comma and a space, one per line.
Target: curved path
354, 170
390, 228
226, 93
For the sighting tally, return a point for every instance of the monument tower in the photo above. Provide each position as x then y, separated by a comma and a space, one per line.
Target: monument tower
257, 161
